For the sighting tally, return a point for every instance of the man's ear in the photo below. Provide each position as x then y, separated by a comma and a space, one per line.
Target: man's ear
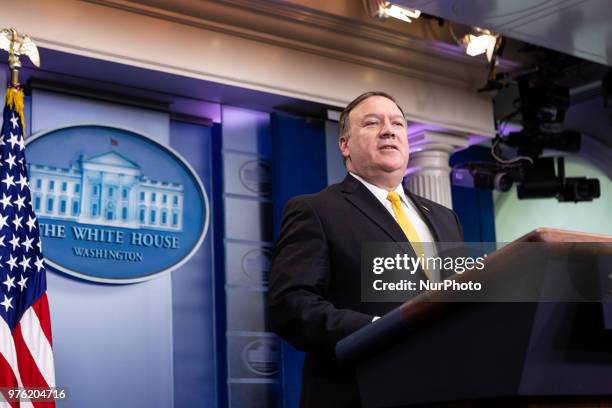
343, 145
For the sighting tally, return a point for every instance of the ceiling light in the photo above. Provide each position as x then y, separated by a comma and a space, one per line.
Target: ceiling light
386, 9
480, 41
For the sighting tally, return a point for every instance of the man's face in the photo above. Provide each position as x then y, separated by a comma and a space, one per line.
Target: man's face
377, 142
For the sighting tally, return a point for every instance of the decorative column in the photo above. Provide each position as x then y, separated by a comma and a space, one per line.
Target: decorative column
428, 172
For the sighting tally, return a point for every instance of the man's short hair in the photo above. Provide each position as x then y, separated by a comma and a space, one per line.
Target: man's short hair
343, 122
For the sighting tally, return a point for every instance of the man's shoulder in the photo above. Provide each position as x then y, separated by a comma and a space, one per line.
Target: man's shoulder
324, 197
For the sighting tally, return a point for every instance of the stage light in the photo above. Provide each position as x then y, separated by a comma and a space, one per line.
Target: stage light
480, 41
386, 9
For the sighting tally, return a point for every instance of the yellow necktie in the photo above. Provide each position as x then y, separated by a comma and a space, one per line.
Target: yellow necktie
407, 227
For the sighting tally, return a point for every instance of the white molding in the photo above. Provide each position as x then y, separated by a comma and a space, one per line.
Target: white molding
295, 28
424, 139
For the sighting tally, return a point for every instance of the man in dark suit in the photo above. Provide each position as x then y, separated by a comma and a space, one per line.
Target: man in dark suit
314, 297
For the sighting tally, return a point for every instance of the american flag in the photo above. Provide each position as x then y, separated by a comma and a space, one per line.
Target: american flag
26, 358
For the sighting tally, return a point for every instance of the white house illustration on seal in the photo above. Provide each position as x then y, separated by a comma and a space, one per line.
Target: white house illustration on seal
106, 189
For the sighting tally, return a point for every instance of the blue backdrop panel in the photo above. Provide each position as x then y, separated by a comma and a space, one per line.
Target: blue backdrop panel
218, 235
252, 352
192, 289
474, 206
254, 395
246, 308
250, 361
246, 131
111, 342
248, 219
248, 264
299, 164
335, 165
247, 175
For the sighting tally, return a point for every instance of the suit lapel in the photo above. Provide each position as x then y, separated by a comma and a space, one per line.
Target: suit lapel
426, 214
358, 195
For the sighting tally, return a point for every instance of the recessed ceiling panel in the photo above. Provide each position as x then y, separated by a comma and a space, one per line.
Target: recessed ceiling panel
497, 9
582, 28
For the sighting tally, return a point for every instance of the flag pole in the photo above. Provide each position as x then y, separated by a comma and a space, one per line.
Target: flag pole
14, 61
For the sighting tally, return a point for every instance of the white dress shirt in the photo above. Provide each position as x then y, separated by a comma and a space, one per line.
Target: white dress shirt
407, 205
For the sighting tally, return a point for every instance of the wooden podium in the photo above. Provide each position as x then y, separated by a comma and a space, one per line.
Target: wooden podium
489, 354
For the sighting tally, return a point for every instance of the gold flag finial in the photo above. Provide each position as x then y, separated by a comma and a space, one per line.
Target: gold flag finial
17, 45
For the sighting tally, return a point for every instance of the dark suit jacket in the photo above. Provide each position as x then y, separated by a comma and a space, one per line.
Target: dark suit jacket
314, 296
